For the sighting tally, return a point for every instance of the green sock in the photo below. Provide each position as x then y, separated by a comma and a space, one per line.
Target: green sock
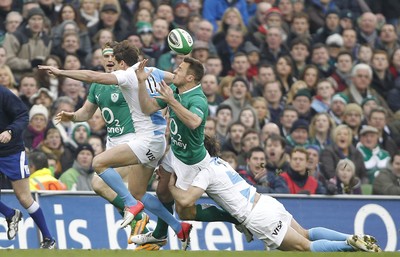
208, 212
119, 204
161, 229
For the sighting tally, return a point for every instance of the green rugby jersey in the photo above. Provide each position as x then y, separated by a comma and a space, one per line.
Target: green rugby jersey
114, 108
186, 144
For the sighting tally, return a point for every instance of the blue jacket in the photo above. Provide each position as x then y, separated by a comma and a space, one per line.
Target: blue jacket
14, 116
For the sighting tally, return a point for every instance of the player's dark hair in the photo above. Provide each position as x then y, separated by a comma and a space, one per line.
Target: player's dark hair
212, 146
125, 51
196, 68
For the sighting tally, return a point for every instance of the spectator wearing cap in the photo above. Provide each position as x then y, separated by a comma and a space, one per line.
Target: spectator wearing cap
353, 118
337, 107
253, 55
367, 105
145, 33
331, 26
200, 51
273, 47
302, 103
239, 97
317, 9
334, 43
42, 96
346, 19
80, 133
110, 18
382, 80
367, 33
375, 158
213, 10
29, 45
274, 19
341, 148
33, 135
388, 180
79, 176
298, 135
341, 77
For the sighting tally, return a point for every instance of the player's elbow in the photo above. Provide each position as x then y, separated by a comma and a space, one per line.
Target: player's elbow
195, 123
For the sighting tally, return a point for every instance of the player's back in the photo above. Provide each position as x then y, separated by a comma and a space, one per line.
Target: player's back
229, 190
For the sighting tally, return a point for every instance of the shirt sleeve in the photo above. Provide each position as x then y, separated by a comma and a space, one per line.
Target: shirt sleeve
91, 98
199, 107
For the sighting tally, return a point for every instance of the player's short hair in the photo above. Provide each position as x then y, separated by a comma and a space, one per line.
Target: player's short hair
196, 68
125, 51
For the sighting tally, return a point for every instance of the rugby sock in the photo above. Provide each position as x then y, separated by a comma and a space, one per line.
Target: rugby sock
119, 204
161, 229
324, 245
37, 215
6, 211
325, 233
114, 180
154, 205
208, 212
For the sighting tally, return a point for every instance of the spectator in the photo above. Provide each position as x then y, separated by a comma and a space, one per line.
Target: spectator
388, 180
375, 158
3, 56
239, 97
224, 118
320, 58
330, 27
79, 176
42, 96
367, 33
302, 103
342, 75
289, 116
346, 19
255, 174
260, 105
210, 127
41, 177
47, 80
299, 52
7, 79
368, 104
253, 55
364, 54
388, 39
297, 177
63, 103
382, 80
249, 118
97, 124
337, 107
200, 51
321, 129
267, 130
34, 133
250, 139
352, 117
284, 71
80, 133
231, 17
214, 66
259, 20
314, 168
300, 29
204, 32
277, 159
181, 13
273, 47
311, 76
265, 74
209, 84
273, 94
97, 144
24, 53
89, 12
323, 98
72, 88
54, 145
234, 138
350, 42
229, 157
13, 20
346, 180
296, 86
28, 86
341, 149
298, 136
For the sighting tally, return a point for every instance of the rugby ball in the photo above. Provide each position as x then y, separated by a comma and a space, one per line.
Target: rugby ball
180, 41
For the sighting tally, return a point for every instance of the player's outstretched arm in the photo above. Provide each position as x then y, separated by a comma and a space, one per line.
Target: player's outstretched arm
83, 75
147, 104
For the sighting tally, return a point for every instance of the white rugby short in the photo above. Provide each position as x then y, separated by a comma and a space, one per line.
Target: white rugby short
148, 148
269, 221
114, 141
185, 173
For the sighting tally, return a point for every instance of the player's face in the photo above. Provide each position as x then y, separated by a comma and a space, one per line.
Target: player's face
180, 74
109, 62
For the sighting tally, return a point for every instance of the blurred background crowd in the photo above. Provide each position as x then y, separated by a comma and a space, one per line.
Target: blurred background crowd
323, 75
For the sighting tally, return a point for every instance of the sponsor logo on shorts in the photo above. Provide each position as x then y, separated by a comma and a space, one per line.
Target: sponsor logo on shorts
277, 229
150, 155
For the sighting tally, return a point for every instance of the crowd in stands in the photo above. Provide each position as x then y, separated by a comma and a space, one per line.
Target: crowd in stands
282, 77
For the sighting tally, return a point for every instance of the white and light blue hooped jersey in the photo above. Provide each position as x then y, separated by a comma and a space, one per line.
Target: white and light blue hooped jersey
227, 188
155, 124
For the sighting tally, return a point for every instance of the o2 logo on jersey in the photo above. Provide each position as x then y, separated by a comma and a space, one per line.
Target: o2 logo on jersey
173, 127
114, 97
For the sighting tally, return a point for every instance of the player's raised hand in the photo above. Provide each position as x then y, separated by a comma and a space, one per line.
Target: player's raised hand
50, 69
141, 74
165, 92
64, 116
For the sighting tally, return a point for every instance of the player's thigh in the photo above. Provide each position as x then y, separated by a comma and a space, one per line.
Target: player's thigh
22, 191
118, 156
296, 226
293, 241
138, 180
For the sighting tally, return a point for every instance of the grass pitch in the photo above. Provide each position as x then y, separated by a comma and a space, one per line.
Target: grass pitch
176, 253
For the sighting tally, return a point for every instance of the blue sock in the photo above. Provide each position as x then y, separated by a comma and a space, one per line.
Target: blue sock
37, 215
6, 211
154, 205
324, 245
114, 180
325, 233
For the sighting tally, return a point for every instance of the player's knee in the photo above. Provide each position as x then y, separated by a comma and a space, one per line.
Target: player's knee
97, 184
98, 165
25, 200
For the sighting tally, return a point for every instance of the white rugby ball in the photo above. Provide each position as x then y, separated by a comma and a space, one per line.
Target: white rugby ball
180, 41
